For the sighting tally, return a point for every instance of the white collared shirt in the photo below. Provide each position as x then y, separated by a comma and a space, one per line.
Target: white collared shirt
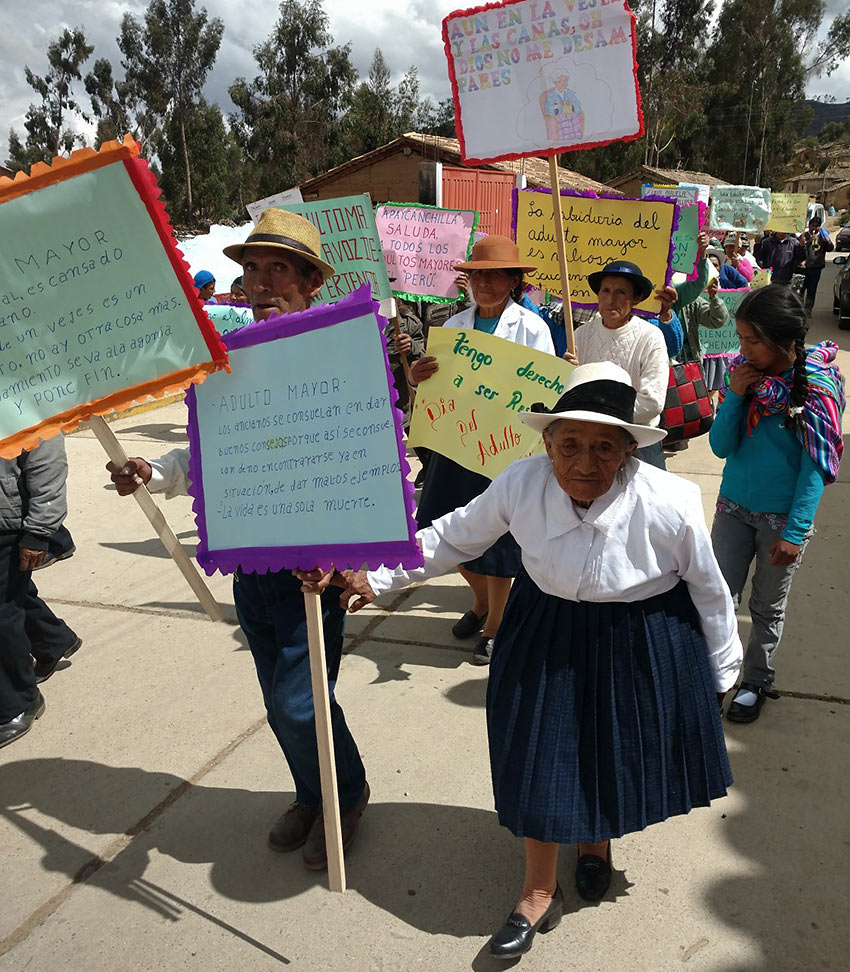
638, 540
516, 323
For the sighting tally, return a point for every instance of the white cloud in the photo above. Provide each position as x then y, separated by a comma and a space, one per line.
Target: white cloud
407, 31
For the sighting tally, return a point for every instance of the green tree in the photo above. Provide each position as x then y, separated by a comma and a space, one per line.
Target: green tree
379, 111
288, 117
436, 119
215, 178
46, 123
167, 59
758, 80
111, 102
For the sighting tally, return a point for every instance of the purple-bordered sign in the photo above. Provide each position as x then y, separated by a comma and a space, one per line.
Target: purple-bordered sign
297, 458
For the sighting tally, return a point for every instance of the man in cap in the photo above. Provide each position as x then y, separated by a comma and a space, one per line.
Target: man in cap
282, 271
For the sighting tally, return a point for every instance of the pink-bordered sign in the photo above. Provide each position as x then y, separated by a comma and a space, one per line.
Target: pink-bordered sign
542, 77
297, 457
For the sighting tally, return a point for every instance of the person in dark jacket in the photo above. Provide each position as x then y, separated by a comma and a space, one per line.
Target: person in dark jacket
817, 245
781, 253
32, 508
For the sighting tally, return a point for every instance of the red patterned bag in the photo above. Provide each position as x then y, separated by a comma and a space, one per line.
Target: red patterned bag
688, 411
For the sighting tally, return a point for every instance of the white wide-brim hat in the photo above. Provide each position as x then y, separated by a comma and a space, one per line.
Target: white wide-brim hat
600, 392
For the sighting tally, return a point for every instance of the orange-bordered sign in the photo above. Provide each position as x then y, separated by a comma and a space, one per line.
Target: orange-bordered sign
97, 307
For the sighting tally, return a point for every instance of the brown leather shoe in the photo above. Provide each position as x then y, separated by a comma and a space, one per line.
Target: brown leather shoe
315, 852
292, 829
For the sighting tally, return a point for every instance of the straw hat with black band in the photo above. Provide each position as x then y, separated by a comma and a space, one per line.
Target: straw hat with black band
599, 392
289, 232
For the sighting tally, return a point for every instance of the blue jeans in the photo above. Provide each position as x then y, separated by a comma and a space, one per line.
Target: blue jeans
738, 538
270, 608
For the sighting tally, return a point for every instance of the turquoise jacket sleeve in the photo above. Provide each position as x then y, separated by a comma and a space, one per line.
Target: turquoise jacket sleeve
691, 289
725, 432
807, 494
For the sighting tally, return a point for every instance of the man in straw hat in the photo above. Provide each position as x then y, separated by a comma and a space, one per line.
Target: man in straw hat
282, 271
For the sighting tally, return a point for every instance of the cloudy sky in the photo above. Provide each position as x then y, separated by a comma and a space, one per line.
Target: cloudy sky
407, 31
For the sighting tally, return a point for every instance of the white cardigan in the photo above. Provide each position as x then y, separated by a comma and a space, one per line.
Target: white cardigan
515, 324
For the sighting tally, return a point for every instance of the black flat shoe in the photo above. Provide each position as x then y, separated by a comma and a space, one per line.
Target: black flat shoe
483, 651
44, 669
21, 724
593, 875
468, 625
749, 713
516, 936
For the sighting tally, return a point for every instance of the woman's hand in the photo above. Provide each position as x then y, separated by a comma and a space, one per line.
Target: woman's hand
462, 283
744, 376
712, 288
783, 553
667, 296
422, 369
403, 344
702, 245
357, 593
571, 357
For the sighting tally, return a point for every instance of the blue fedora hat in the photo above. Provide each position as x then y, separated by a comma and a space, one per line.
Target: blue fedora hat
622, 268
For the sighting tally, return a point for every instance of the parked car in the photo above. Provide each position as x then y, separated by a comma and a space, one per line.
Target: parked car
841, 292
842, 238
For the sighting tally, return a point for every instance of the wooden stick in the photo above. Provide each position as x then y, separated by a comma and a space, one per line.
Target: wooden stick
116, 453
325, 742
405, 364
562, 251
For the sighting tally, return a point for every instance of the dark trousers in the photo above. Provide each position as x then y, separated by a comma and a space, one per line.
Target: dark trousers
27, 628
810, 284
270, 608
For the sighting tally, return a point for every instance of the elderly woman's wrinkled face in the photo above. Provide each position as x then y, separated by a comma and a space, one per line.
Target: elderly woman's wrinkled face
617, 297
586, 456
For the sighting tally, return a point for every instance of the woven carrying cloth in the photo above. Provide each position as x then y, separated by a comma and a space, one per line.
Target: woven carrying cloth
820, 430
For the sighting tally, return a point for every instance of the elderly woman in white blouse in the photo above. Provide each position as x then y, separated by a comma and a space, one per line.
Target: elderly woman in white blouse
618, 642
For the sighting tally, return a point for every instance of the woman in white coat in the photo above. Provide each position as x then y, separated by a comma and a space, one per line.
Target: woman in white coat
495, 274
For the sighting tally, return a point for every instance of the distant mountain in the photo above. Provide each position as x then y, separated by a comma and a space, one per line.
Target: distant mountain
824, 114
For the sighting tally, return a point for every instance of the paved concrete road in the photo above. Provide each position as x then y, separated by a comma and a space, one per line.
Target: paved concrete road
134, 815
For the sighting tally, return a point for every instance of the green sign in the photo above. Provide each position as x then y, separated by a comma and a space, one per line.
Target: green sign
723, 340
350, 244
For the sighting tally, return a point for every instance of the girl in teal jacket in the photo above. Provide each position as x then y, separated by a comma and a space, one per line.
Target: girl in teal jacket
779, 429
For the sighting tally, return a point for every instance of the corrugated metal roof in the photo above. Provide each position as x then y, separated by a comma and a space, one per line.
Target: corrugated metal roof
443, 149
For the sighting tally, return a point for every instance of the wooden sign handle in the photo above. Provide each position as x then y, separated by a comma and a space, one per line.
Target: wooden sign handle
562, 252
325, 742
113, 448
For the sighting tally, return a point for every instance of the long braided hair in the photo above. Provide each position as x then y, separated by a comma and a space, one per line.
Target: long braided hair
776, 315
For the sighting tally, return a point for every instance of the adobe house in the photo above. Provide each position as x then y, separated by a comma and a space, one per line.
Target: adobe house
630, 184
428, 169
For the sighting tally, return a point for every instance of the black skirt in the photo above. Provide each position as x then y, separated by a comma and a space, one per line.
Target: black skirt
449, 486
602, 717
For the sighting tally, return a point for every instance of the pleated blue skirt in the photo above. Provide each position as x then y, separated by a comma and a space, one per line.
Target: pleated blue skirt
448, 486
602, 717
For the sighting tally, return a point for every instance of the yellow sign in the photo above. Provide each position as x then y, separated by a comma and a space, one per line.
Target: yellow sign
597, 232
469, 410
787, 212
761, 278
